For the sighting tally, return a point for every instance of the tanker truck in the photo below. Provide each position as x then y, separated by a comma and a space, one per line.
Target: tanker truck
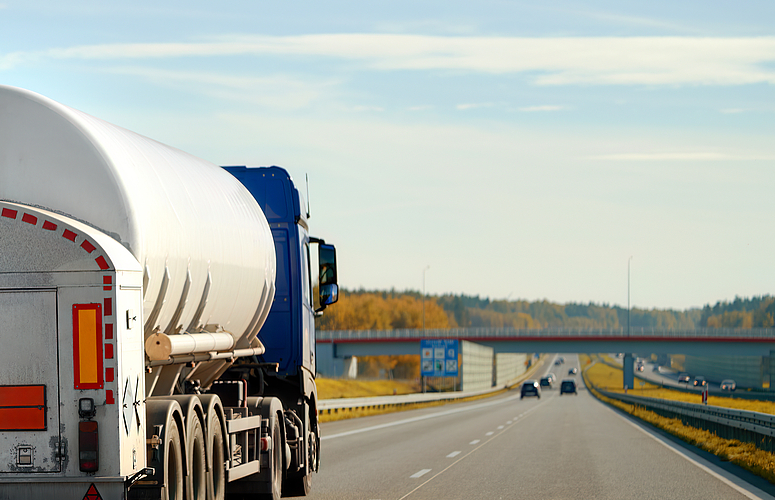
157, 335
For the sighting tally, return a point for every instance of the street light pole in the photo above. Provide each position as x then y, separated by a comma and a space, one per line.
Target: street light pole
628, 295
423, 296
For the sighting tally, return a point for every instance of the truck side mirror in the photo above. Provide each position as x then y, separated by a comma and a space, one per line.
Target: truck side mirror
329, 289
329, 294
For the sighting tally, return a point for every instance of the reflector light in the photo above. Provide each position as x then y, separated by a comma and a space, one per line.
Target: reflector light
88, 446
87, 346
266, 443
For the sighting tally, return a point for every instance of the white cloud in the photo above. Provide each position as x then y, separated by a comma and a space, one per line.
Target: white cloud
548, 61
695, 156
530, 109
277, 91
474, 105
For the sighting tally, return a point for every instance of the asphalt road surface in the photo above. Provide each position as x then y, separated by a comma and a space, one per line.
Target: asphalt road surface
555, 447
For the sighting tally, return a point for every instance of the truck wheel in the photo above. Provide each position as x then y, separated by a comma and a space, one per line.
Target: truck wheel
173, 464
300, 486
278, 464
216, 476
197, 480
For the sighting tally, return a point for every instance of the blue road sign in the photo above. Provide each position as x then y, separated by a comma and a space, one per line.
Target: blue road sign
438, 357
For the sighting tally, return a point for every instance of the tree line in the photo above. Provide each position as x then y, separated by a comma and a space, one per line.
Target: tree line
389, 310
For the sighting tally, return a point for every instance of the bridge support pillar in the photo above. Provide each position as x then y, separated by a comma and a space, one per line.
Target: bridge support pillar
628, 371
772, 370
326, 361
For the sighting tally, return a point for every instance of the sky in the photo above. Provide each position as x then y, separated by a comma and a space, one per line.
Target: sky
506, 149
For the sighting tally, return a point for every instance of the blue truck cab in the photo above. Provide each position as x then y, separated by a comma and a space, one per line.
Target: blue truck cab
306, 282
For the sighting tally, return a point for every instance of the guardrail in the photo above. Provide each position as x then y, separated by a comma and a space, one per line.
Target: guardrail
749, 426
538, 333
328, 406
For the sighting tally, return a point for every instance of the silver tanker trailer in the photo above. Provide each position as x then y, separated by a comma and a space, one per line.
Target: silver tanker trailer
156, 317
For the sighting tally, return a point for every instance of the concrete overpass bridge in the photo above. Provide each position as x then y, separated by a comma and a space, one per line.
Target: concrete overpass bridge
341, 344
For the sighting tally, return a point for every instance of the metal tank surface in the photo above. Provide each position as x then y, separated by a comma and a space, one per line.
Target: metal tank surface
202, 240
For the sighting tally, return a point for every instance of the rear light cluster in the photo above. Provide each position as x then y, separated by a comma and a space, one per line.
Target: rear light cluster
88, 438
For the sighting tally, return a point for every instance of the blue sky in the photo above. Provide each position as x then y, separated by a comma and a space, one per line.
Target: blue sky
520, 150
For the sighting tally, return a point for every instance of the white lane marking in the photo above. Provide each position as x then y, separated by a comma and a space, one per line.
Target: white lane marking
489, 433
508, 423
453, 454
420, 473
417, 419
500, 427
445, 469
475, 441
746, 489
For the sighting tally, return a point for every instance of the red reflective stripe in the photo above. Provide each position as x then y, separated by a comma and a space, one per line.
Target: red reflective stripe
11, 214
109, 397
86, 245
108, 351
69, 235
108, 331
109, 376
29, 219
108, 306
102, 262
49, 225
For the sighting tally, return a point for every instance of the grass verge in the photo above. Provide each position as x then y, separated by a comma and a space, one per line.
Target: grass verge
745, 455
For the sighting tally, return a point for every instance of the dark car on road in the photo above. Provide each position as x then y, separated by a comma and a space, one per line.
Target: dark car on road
530, 388
684, 378
728, 385
568, 385
573, 371
546, 382
699, 381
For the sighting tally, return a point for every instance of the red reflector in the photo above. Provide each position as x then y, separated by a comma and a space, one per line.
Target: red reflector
266, 443
92, 493
88, 446
29, 219
11, 214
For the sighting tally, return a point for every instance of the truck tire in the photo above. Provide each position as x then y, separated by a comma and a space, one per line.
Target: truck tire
216, 476
173, 464
197, 460
278, 462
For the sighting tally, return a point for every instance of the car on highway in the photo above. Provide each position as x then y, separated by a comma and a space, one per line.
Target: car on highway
728, 385
552, 377
568, 385
546, 382
530, 388
573, 371
684, 377
699, 381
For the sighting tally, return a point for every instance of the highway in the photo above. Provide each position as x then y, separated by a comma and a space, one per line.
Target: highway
555, 447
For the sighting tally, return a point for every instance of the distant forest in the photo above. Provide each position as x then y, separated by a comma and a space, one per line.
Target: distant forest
385, 310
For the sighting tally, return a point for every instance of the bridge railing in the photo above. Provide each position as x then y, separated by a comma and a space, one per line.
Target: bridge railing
538, 333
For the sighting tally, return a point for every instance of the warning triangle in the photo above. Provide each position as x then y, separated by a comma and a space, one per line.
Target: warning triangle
92, 494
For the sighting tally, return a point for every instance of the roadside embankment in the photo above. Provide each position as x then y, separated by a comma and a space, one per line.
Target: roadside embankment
746, 455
